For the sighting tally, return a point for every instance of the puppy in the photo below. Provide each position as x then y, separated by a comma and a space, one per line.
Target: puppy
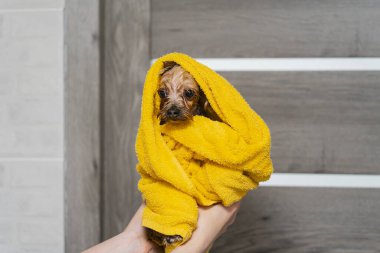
181, 96
181, 99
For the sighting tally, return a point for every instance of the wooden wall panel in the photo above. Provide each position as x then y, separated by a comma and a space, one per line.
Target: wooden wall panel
299, 220
266, 28
82, 125
126, 60
321, 122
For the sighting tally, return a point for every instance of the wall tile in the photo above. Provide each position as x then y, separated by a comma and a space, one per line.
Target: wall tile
7, 232
3, 114
30, 203
34, 187
31, 39
8, 248
30, 248
30, 52
33, 173
31, 83
27, 141
41, 110
4, 26
39, 81
1, 26
7, 81
33, 23
2, 175
30, 4
31, 126
46, 232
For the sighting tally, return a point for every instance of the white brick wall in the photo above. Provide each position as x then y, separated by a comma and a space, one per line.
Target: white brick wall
31, 126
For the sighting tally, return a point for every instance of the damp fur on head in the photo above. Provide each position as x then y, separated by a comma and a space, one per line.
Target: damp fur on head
180, 95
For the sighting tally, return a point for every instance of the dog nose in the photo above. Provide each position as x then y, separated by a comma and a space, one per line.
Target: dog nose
173, 112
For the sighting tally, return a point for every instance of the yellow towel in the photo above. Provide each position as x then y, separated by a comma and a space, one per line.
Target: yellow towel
198, 162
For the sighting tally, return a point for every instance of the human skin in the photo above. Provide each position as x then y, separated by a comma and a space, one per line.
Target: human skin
212, 222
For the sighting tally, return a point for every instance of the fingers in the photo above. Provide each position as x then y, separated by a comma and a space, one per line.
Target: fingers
230, 218
234, 208
137, 234
212, 222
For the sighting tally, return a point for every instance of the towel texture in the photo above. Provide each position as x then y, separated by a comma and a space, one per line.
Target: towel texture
200, 161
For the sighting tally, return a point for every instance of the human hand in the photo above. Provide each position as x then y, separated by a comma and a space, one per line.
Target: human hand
132, 240
213, 221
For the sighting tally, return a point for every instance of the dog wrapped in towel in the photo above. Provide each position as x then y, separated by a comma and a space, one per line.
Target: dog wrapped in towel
201, 161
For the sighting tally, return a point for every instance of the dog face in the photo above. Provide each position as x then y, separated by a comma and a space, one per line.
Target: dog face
179, 93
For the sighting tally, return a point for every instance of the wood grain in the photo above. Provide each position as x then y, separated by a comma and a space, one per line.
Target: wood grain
266, 28
299, 220
82, 125
126, 60
321, 122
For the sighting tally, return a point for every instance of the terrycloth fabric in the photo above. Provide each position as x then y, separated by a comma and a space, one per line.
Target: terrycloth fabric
198, 162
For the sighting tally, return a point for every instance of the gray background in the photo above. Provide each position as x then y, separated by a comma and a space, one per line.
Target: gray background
31, 126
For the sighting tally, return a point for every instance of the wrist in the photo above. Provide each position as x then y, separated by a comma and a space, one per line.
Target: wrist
193, 246
135, 241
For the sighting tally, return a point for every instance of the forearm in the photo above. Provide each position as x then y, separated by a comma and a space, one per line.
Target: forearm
121, 243
131, 240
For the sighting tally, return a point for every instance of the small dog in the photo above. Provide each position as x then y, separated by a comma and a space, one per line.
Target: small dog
181, 99
181, 96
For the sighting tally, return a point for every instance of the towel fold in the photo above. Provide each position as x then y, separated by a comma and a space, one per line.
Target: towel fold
199, 161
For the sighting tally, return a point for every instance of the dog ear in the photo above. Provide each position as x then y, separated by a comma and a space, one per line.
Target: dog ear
202, 103
168, 65
205, 109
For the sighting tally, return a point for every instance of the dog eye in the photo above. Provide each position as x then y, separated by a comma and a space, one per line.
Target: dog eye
162, 93
189, 93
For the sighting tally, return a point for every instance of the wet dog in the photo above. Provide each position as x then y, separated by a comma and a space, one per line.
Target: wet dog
181, 96
181, 99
